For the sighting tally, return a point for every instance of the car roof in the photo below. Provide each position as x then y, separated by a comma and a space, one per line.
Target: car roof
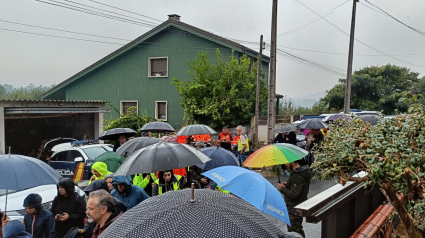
79, 147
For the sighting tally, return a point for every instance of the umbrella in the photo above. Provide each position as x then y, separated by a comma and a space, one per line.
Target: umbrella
219, 157
19, 172
114, 134
51, 143
270, 155
157, 126
211, 214
161, 156
169, 138
251, 187
286, 129
111, 159
371, 118
336, 116
136, 144
312, 124
195, 130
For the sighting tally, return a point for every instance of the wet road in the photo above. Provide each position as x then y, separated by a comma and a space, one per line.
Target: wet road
316, 187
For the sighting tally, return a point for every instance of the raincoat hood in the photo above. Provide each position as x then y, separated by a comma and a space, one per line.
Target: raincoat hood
102, 168
111, 175
304, 171
68, 185
97, 185
15, 229
33, 200
122, 180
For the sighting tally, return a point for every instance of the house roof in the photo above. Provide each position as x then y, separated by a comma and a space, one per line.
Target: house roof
171, 22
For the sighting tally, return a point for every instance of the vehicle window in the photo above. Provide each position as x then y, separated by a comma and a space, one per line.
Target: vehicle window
61, 156
93, 152
3, 192
108, 147
75, 154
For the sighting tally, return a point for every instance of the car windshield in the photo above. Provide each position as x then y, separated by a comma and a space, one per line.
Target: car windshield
93, 152
3, 192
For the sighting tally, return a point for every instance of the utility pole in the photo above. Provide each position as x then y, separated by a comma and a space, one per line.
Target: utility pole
272, 84
347, 96
257, 95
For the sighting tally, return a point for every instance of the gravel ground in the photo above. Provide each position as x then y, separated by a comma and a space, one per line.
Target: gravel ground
316, 187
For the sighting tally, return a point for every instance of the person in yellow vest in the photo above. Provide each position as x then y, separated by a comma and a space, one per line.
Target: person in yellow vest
145, 182
166, 181
243, 145
99, 170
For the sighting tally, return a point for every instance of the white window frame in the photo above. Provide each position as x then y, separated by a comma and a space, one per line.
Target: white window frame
166, 111
149, 67
121, 107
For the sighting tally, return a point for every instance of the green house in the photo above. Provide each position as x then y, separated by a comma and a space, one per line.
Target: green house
140, 73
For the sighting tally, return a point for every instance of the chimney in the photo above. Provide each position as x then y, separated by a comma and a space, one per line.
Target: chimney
174, 17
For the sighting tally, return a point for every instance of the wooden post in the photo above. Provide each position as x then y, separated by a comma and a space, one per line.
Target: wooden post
257, 95
272, 84
347, 96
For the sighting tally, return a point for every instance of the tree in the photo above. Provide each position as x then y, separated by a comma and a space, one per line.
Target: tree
130, 120
30, 92
374, 88
288, 107
220, 94
392, 153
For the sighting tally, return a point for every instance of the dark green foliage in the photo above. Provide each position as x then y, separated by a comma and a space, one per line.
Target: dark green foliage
220, 94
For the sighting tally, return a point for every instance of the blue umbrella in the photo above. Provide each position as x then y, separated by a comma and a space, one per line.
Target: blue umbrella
251, 187
219, 157
19, 172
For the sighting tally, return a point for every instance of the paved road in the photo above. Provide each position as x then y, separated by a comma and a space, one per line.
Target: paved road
316, 187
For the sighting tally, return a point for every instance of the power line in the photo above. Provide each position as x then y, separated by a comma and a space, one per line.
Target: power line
358, 39
397, 20
292, 31
124, 10
54, 29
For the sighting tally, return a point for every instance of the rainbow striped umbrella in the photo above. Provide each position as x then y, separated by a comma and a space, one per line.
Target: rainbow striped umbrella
275, 154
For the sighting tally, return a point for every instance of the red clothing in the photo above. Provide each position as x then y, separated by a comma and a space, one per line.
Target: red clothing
99, 230
235, 140
181, 172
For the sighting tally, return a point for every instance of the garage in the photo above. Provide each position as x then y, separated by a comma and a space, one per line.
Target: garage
24, 124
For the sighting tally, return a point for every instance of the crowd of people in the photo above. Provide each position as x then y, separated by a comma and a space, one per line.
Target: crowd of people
108, 196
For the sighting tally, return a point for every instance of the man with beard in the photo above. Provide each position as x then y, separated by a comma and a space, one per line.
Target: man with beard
100, 210
295, 191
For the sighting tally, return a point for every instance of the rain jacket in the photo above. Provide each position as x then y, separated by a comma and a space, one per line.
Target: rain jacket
15, 229
42, 223
102, 168
133, 194
73, 204
145, 183
296, 189
159, 186
101, 184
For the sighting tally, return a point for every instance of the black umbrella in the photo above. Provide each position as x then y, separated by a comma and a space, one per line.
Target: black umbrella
51, 143
157, 126
312, 124
211, 214
161, 156
19, 172
371, 118
195, 130
135, 144
285, 129
114, 134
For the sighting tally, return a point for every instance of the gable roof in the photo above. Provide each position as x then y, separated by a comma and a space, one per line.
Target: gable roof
164, 26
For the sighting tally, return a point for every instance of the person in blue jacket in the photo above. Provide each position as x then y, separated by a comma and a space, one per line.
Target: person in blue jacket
15, 229
39, 222
129, 194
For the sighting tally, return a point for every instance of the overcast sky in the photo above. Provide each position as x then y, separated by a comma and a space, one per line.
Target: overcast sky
26, 58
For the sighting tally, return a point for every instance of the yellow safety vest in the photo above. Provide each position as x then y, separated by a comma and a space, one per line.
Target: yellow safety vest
176, 185
240, 146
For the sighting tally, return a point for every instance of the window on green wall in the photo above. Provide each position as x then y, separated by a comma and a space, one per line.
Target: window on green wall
158, 67
127, 105
161, 110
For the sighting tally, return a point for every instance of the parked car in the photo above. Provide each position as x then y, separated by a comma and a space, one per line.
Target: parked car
15, 199
68, 156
